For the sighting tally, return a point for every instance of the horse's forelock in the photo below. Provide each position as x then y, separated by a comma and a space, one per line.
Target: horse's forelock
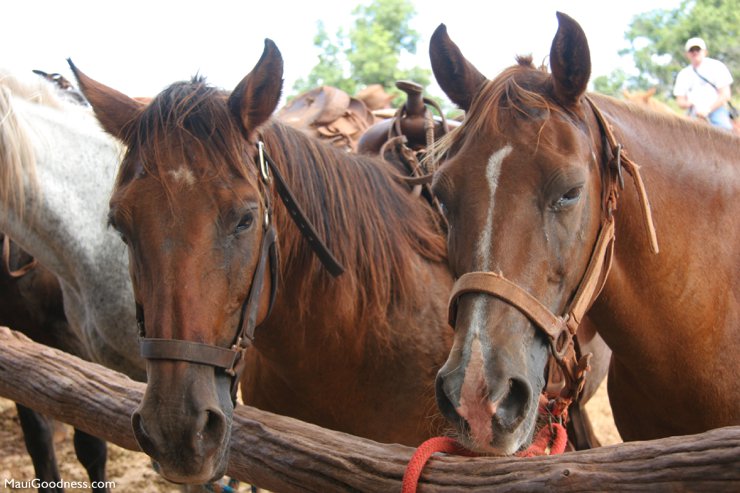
188, 124
521, 93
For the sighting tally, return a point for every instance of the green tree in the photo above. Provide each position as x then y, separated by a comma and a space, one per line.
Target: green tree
611, 84
370, 53
329, 69
657, 44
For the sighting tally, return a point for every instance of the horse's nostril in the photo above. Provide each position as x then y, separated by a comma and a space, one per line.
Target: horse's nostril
445, 404
514, 406
146, 444
136, 424
213, 425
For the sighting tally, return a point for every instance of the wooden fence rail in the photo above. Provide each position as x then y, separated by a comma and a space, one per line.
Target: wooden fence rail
286, 455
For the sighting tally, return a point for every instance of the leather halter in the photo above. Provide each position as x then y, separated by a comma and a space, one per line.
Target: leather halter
232, 359
567, 368
20, 271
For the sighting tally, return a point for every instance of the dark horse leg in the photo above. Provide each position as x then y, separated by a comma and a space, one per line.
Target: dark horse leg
38, 435
92, 453
580, 431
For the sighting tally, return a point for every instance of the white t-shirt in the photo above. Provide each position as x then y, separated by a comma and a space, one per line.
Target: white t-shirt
698, 91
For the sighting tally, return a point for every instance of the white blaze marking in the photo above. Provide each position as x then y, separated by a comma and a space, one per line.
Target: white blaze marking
184, 175
493, 171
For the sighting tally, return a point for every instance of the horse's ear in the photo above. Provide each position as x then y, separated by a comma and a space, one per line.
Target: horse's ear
570, 61
114, 110
255, 98
457, 77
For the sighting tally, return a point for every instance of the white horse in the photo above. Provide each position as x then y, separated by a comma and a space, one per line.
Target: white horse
57, 168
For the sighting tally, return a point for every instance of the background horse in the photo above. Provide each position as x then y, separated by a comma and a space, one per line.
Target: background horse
647, 99
57, 170
523, 183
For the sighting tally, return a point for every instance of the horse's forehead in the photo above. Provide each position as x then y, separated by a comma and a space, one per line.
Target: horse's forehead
183, 176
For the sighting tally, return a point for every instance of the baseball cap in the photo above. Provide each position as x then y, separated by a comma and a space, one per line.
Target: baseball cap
695, 42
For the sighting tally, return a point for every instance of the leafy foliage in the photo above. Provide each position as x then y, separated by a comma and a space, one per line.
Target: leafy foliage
657, 44
370, 53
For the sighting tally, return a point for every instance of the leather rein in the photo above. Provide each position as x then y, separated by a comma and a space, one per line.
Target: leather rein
567, 368
232, 359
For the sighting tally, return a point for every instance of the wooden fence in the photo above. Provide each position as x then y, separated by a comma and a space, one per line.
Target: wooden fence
286, 455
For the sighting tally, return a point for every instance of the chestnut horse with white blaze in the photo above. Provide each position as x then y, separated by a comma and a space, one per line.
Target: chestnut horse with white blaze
551, 228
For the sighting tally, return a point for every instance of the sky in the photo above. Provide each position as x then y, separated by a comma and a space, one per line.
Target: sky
140, 47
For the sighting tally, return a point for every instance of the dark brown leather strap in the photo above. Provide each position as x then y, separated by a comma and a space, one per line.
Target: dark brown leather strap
307, 229
193, 352
250, 307
21, 271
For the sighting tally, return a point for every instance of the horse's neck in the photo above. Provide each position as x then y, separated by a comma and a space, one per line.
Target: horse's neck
64, 222
64, 227
346, 308
692, 179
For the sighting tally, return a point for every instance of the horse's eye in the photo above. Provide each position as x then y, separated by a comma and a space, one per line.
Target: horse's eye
245, 222
112, 224
443, 208
570, 198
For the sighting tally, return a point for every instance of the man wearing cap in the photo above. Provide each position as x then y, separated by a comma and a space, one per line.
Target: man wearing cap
703, 88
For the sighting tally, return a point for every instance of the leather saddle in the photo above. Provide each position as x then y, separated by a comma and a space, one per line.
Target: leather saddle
329, 114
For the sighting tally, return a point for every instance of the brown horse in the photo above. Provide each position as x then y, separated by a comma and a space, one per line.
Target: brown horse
647, 99
358, 353
531, 185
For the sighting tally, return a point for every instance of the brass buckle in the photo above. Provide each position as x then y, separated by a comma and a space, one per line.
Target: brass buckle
264, 170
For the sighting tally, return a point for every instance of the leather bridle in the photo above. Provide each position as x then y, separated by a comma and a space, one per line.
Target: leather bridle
232, 359
567, 368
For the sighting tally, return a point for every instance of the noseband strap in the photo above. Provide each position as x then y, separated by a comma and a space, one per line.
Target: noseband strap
230, 359
193, 352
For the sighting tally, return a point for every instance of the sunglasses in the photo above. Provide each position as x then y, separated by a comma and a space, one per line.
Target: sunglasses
694, 49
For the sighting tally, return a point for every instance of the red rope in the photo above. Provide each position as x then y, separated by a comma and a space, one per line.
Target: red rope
423, 453
551, 440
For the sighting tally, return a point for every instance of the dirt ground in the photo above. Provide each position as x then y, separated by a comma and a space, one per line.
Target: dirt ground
131, 471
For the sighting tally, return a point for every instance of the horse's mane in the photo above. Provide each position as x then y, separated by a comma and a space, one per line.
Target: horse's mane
372, 225
17, 156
